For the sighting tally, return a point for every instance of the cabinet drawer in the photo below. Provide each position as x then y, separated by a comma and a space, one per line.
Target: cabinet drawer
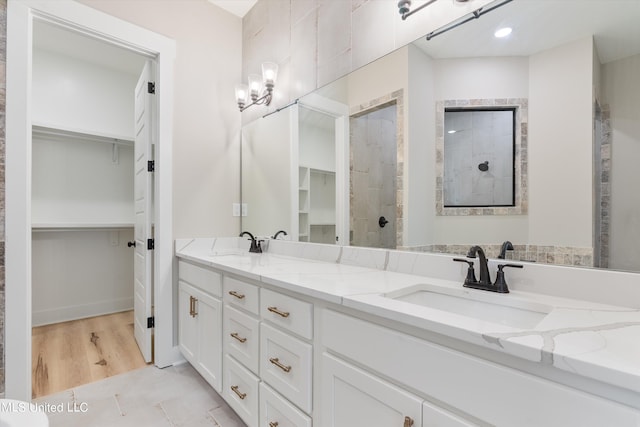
277, 411
242, 337
285, 364
287, 312
203, 278
241, 391
241, 294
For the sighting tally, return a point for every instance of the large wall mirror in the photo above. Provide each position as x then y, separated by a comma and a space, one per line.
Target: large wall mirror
572, 66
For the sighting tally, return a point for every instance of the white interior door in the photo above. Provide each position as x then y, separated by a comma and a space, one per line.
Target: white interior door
143, 195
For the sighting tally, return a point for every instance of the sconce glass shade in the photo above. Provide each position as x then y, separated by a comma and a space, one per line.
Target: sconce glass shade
255, 86
269, 74
242, 93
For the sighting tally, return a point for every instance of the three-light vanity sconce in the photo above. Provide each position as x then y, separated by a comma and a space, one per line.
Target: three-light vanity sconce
259, 89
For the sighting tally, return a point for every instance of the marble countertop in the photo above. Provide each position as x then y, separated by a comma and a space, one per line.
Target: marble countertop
593, 340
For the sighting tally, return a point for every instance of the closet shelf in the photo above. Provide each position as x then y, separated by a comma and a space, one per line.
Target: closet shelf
52, 132
80, 226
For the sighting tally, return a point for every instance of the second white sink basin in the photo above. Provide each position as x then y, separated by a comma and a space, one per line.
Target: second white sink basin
503, 309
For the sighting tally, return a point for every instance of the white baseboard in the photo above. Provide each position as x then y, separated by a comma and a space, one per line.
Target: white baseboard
64, 314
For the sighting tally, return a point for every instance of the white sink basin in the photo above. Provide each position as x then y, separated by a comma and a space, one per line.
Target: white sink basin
503, 309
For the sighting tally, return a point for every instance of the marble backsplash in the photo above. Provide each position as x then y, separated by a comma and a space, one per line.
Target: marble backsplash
576, 282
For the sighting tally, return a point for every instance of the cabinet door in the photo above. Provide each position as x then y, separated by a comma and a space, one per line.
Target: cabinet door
353, 397
187, 323
208, 312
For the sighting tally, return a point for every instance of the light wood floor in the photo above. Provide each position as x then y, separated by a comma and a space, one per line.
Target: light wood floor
69, 354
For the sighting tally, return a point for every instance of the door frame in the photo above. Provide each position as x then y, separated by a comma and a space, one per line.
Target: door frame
88, 21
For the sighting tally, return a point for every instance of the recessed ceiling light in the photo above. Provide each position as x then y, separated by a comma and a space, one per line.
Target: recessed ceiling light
451, 131
503, 32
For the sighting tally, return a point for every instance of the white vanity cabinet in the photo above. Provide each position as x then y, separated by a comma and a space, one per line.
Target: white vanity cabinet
290, 359
472, 389
200, 321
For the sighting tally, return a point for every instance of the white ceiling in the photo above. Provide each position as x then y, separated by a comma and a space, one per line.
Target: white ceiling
237, 7
541, 24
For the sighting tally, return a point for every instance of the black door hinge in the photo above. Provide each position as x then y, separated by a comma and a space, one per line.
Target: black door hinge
151, 244
151, 87
151, 322
151, 166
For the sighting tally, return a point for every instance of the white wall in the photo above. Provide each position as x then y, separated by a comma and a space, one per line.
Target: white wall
206, 152
79, 274
373, 81
621, 91
78, 182
72, 94
478, 78
485, 77
266, 164
317, 148
561, 145
420, 124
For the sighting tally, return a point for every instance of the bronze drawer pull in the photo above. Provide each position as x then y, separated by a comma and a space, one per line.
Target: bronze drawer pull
192, 306
236, 336
237, 295
276, 362
234, 388
278, 312
408, 422
273, 424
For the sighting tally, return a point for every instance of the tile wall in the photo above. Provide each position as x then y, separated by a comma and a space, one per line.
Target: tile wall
318, 41
375, 175
3, 56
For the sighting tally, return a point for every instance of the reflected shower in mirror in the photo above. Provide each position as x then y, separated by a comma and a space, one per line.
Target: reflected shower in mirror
479, 153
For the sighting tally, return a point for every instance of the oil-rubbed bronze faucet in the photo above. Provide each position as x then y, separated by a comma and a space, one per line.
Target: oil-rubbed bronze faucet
275, 236
484, 283
255, 244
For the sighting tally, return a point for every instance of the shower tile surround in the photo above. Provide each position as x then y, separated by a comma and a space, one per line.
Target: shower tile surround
557, 255
605, 186
397, 99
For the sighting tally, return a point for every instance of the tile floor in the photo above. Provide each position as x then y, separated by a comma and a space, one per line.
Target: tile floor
176, 396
